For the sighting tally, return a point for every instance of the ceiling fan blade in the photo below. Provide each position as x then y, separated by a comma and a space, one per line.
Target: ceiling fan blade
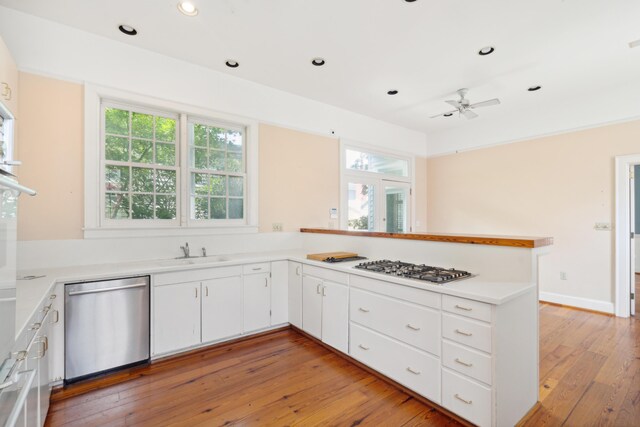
455, 104
469, 114
442, 114
488, 103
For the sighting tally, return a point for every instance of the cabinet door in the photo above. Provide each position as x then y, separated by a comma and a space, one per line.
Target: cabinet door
295, 294
257, 302
335, 316
279, 292
312, 306
221, 308
176, 317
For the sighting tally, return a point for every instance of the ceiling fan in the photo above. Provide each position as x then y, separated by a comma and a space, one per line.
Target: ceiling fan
464, 107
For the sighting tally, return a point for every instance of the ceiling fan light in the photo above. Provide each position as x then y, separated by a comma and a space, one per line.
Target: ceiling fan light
487, 50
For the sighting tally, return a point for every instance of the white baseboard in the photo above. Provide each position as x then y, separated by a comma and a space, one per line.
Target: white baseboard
588, 304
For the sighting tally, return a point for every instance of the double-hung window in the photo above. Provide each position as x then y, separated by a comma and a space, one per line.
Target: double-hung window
376, 190
170, 168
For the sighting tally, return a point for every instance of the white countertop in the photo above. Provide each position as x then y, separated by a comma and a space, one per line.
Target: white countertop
30, 293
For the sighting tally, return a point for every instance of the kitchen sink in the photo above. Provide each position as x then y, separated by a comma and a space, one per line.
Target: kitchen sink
191, 260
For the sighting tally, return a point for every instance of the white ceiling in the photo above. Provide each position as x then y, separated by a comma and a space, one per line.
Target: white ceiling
576, 49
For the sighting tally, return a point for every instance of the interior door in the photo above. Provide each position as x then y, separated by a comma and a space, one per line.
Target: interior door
632, 228
312, 306
396, 207
335, 316
221, 308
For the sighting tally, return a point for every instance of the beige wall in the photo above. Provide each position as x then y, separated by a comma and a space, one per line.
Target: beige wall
555, 186
420, 192
299, 179
50, 128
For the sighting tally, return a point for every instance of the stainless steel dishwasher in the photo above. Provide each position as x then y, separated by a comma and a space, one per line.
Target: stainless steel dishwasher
106, 326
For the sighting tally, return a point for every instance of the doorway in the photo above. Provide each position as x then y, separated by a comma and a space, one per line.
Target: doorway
627, 246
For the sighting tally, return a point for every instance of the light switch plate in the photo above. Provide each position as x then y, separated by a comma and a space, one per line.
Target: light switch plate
602, 226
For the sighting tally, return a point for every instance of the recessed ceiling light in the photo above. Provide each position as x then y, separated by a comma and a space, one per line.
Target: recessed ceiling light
318, 62
128, 30
534, 88
409, 1
448, 114
392, 92
232, 64
634, 43
486, 51
187, 8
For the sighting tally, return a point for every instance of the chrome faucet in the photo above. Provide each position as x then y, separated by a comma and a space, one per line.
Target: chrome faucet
185, 249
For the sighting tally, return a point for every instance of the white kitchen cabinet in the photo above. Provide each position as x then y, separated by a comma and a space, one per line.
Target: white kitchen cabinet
335, 315
295, 294
279, 292
325, 307
257, 302
221, 308
312, 306
176, 316
8, 80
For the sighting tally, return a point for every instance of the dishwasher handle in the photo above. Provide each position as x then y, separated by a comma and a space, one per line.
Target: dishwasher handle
117, 288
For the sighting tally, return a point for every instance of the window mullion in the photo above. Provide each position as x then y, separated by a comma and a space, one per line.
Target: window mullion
185, 174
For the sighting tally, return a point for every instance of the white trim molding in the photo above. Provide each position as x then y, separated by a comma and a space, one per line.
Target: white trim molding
586, 303
623, 263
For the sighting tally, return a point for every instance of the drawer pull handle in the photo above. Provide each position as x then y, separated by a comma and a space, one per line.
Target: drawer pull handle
363, 347
464, 363
318, 287
468, 402
466, 334
35, 327
463, 308
413, 328
257, 268
364, 310
412, 371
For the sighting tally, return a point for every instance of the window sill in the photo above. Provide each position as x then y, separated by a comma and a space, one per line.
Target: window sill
127, 232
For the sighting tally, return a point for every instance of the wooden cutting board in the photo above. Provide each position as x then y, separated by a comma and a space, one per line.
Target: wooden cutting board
336, 255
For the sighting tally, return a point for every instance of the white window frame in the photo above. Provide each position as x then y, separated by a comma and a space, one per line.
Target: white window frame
96, 227
374, 178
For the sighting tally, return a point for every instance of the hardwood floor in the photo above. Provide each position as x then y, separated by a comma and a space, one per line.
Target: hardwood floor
589, 375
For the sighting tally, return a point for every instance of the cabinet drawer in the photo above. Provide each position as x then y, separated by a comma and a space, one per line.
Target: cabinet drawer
263, 267
466, 398
406, 293
466, 307
469, 362
412, 368
467, 331
409, 323
325, 274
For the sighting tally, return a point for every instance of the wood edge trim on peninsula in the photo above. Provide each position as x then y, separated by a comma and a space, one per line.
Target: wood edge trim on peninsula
512, 241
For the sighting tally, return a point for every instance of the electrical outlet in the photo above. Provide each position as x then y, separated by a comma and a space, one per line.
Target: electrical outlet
276, 226
563, 275
602, 226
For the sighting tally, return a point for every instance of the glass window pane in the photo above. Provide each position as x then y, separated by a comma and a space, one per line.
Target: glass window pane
236, 186
200, 183
116, 148
117, 178
165, 129
358, 160
218, 185
234, 141
142, 180
166, 154
216, 160
199, 135
235, 209
116, 121
219, 208
166, 207
200, 158
234, 162
141, 151
117, 206
165, 181
142, 206
217, 138
396, 208
200, 208
142, 125
361, 207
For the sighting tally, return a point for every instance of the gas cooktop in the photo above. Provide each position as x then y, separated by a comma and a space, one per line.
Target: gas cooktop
437, 275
